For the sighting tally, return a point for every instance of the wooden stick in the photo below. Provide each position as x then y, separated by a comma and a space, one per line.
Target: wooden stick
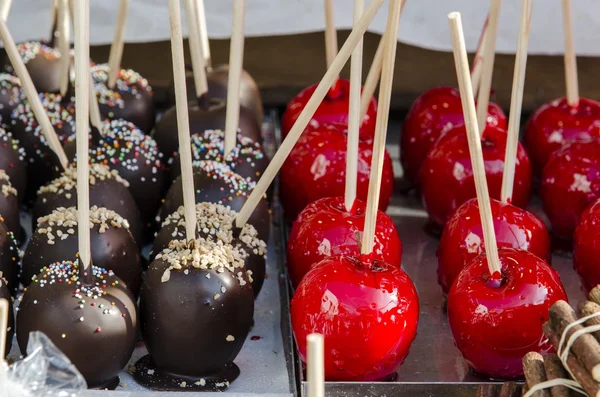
5, 9
533, 368
595, 294
487, 390
309, 109
373, 77
116, 48
516, 104
82, 103
477, 67
579, 372
183, 127
95, 115
487, 73
470, 115
555, 370
198, 66
3, 327
588, 308
571, 78
201, 17
32, 95
236, 60
383, 114
331, 45
586, 348
315, 366
354, 115
64, 45
510, 389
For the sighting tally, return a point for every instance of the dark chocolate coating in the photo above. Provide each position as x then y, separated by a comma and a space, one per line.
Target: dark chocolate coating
107, 193
203, 116
115, 250
9, 259
185, 328
11, 95
248, 161
217, 79
217, 190
132, 98
9, 210
12, 161
5, 294
43, 165
255, 263
136, 161
99, 346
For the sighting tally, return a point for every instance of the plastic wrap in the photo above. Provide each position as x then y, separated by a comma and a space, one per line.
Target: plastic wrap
45, 372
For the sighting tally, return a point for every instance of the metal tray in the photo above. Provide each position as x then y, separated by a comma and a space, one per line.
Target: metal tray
266, 363
434, 366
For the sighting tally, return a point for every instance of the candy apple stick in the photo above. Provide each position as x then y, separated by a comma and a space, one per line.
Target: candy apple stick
95, 116
516, 104
116, 48
32, 94
373, 77
315, 365
198, 66
470, 115
570, 58
201, 17
383, 114
487, 67
64, 35
236, 59
331, 45
183, 127
82, 75
354, 114
476, 69
5, 8
309, 110
3, 327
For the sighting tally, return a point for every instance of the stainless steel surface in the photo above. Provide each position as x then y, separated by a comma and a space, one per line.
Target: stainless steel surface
434, 366
266, 363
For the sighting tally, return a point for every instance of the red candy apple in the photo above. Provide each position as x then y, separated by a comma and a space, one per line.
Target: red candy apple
316, 168
446, 176
586, 247
435, 110
570, 183
556, 124
493, 325
324, 228
462, 238
333, 109
367, 311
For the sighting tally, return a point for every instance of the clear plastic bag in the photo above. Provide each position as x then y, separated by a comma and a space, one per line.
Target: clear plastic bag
45, 372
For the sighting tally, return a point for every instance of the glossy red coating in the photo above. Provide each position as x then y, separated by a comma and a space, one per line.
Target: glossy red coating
316, 168
570, 183
435, 110
367, 311
324, 228
495, 326
586, 247
333, 109
462, 238
446, 176
555, 124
